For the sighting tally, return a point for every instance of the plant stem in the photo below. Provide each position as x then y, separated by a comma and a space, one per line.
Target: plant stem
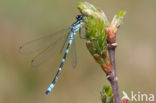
112, 77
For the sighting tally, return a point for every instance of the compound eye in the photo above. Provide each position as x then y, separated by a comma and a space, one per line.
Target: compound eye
78, 17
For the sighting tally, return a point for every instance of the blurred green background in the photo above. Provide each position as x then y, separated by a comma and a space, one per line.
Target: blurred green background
24, 20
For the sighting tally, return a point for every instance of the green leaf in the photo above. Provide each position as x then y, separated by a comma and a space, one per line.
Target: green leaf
116, 22
121, 14
96, 23
107, 95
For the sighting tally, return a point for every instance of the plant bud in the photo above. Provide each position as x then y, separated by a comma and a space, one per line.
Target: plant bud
104, 54
98, 58
106, 69
88, 44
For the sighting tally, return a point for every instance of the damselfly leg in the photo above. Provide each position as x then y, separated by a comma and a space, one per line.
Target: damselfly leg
73, 55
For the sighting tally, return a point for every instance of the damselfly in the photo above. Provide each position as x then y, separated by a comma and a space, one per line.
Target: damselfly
74, 28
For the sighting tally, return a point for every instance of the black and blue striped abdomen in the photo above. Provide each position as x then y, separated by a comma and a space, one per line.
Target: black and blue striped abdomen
73, 30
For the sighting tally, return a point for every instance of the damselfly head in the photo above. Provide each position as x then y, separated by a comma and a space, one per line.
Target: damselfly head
79, 17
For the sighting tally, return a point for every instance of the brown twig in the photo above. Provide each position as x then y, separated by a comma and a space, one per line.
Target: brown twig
112, 77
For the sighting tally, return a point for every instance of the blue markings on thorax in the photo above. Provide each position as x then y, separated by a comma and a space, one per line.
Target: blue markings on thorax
70, 41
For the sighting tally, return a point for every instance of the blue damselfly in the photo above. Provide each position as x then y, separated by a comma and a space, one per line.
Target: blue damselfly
30, 47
